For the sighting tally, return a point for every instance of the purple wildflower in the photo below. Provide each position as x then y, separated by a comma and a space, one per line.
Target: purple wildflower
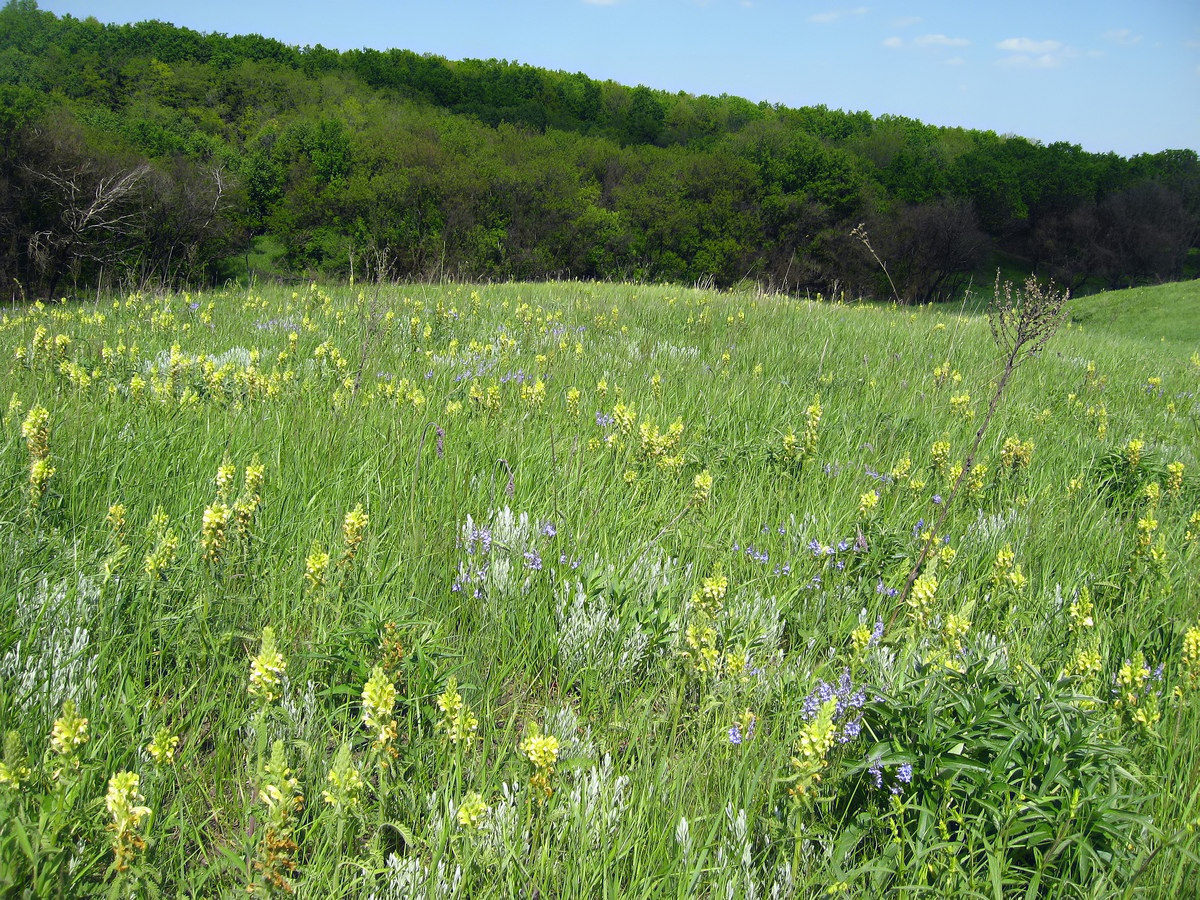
850, 731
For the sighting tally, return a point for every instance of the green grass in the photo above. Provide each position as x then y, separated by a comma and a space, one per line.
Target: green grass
566, 571
1165, 313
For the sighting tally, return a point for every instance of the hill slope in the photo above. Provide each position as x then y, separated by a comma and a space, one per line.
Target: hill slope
1165, 312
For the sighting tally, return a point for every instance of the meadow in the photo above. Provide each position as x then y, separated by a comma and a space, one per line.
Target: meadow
595, 590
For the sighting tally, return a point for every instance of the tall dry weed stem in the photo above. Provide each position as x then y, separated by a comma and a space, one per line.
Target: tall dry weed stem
1022, 321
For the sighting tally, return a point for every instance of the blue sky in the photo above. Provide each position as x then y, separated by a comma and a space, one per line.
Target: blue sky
1111, 76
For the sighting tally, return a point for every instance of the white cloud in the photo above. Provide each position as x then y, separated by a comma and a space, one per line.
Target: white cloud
1122, 36
1026, 53
893, 42
834, 14
1029, 46
905, 21
940, 40
1025, 61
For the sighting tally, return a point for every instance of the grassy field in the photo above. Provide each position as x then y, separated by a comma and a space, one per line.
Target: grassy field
577, 590
1168, 313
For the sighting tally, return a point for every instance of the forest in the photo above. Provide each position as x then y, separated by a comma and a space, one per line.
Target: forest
148, 155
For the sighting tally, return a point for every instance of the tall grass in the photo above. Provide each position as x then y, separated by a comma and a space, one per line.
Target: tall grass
591, 590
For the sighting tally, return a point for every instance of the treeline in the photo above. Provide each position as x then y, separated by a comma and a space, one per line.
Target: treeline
154, 154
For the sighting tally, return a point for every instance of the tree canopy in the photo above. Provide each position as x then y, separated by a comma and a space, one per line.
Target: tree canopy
152, 153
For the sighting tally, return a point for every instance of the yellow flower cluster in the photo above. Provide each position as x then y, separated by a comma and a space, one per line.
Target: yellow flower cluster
13, 768
36, 431
1189, 663
458, 722
1015, 455
162, 747
122, 802
472, 811
316, 564
226, 473
344, 783
534, 394
711, 593
1192, 535
1152, 494
1175, 472
812, 424
812, 750
939, 457
656, 446
354, 526
1133, 454
275, 858
116, 520
69, 732
212, 530
378, 701
921, 598
954, 629
960, 404
1099, 412
1146, 549
1136, 702
166, 544
700, 636
1007, 571
701, 488
542, 752
267, 669
1081, 611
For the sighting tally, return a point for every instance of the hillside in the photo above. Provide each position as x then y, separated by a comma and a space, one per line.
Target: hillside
1167, 313
225, 156
592, 590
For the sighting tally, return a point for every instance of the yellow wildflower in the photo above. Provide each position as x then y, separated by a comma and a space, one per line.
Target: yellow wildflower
542, 752
122, 801
70, 731
378, 700
472, 811
458, 722
315, 566
162, 747
701, 488
267, 669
